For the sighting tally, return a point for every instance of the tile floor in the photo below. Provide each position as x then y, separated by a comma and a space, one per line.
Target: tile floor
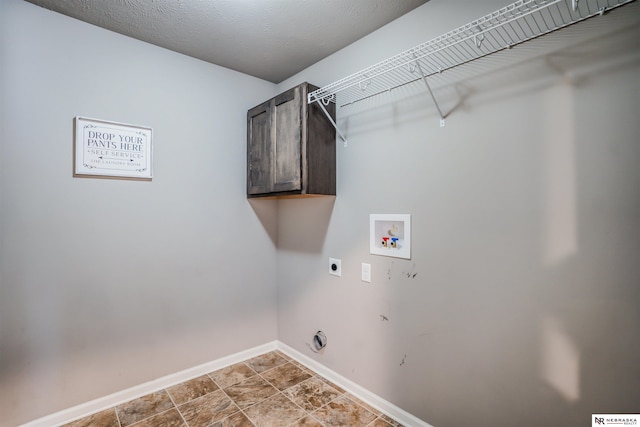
267, 390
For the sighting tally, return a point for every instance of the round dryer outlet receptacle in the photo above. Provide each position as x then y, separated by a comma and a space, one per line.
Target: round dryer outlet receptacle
335, 267
319, 340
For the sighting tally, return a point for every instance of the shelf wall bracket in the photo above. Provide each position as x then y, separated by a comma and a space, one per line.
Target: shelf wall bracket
479, 38
321, 103
433, 97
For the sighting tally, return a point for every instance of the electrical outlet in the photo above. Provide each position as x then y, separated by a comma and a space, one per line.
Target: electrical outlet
335, 267
366, 272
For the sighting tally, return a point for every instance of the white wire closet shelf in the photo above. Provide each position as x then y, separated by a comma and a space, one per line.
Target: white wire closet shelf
507, 27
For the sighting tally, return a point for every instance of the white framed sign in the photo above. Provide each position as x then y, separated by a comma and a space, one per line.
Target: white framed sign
110, 149
390, 235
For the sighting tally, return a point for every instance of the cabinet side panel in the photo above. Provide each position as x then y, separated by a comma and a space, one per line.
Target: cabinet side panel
287, 142
258, 151
321, 150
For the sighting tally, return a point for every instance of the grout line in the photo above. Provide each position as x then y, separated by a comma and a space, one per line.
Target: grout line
231, 385
234, 403
171, 398
155, 415
376, 419
326, 381
292, 401
316, 418
151, 416
115, 409
280, 392
306, 413
175, 405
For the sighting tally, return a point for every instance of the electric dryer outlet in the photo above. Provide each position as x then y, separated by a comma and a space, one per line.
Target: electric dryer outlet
335, 267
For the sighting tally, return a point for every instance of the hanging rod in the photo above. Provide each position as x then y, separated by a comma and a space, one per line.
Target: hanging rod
509, 26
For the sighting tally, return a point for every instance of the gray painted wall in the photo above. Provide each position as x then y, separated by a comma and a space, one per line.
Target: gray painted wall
526, 229
106, 284
520, 305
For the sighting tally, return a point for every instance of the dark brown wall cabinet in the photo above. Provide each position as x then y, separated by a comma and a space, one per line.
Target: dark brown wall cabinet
291, 147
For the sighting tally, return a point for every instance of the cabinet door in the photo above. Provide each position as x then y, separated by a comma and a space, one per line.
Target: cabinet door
287, 139
259, 147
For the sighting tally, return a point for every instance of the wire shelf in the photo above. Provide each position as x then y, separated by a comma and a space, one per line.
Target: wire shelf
509, 26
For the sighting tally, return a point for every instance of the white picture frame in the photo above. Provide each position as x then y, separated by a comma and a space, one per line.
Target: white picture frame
105, 149
390, 235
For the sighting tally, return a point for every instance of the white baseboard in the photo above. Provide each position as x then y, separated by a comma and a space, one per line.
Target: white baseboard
358, 391
100, 404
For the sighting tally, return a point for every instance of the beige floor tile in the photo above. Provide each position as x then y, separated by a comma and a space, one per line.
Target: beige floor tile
170, 418
208, 409
266, 361
105, 418
192, 389
307, 421
304, 368
379, 422
285, 376
232, 375
143, 407
311, 394
364, 405
250, 391
343, 412
391, 421
236, 420
337, 387
281, 354
276, 411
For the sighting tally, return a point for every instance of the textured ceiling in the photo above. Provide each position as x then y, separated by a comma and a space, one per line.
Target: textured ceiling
269, 39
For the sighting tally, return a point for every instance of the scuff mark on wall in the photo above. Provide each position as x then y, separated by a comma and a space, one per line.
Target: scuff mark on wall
384, 318
404, 358
411, 274
389, 271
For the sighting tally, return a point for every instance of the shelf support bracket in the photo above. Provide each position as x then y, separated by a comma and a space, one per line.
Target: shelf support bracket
426, 83
320, 102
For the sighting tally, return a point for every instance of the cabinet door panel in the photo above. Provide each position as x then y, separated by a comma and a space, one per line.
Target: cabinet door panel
259, 158
287, 140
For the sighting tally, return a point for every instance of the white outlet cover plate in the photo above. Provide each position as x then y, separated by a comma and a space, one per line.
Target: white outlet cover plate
338, 269
366, 272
